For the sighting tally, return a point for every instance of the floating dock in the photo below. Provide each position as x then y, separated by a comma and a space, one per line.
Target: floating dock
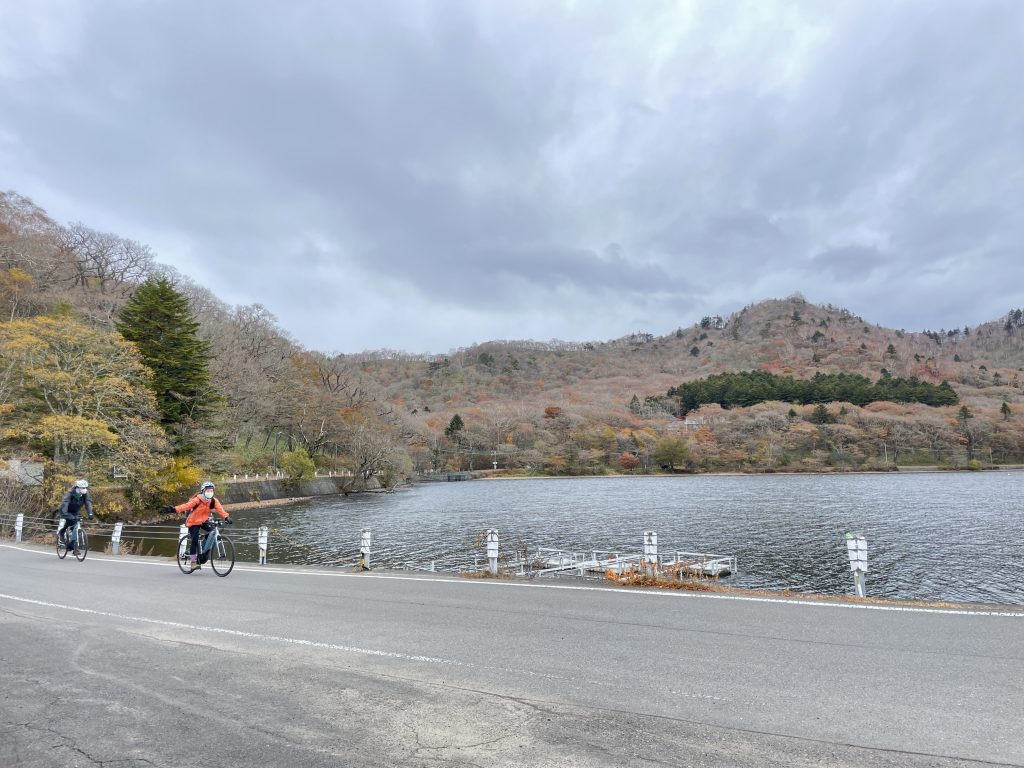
550, 561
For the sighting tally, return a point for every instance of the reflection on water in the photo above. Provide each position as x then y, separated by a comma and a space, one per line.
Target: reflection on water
950, 536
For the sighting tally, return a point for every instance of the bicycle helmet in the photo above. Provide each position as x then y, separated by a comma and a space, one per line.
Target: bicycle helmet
205, 485
82, 484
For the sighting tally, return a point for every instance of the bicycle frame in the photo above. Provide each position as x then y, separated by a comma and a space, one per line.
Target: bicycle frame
211, 540
73, 529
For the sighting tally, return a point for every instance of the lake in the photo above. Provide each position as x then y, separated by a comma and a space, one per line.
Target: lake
934, 536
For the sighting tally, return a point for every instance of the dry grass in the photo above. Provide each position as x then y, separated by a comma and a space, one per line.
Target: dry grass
502, 574
637, 579
707, 585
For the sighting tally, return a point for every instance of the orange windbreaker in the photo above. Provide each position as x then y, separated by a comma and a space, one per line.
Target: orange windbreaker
199, 509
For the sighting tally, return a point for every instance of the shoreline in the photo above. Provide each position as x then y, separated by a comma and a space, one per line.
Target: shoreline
934, 470
239, 505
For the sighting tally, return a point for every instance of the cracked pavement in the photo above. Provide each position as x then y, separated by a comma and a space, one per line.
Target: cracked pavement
132, 664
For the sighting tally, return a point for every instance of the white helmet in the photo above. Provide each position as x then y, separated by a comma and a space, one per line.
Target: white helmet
82, 485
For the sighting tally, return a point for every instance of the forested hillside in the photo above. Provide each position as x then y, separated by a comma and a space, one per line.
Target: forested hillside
92, 383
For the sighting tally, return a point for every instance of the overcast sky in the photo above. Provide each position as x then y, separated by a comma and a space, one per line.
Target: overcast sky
424, 175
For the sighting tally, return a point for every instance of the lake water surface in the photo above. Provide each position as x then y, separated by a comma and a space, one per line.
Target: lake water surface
935, 536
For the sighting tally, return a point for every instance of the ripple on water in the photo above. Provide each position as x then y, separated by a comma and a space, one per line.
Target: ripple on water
935, 536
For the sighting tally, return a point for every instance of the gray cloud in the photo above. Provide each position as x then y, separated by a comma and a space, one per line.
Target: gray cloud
422, 175
848, 263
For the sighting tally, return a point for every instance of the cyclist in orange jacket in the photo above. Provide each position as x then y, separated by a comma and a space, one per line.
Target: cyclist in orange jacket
199, 508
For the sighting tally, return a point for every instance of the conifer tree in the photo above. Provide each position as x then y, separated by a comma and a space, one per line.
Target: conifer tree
455, 426
159, 320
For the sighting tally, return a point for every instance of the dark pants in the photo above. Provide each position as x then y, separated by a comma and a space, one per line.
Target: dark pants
70, 521
193, 538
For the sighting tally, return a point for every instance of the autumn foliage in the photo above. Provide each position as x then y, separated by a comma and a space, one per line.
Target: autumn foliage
74, 391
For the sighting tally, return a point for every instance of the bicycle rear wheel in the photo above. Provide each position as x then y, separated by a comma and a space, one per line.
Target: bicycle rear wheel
222, 556
62, 547
183, 560
83, 545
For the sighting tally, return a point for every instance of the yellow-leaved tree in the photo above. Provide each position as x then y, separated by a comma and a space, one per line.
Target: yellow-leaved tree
80, 394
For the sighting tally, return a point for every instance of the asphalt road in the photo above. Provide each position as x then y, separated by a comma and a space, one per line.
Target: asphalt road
127, 662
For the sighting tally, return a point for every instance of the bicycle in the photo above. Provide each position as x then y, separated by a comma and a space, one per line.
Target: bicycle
220, 548
81, 538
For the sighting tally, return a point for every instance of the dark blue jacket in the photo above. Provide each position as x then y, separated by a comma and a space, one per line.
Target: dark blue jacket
73, 502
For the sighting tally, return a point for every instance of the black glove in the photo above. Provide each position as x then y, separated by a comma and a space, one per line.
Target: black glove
170, 510
229, 521
91, 517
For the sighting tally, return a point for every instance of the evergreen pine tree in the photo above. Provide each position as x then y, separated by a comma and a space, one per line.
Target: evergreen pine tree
159, 320
455, 426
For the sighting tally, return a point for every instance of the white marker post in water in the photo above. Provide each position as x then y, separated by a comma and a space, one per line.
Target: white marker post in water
857, 549
364, 549
650, 552
492, 552
262, 538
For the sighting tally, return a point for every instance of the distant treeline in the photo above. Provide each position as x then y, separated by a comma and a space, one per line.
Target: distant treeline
752, 387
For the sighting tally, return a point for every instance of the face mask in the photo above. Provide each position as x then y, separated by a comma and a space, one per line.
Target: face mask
208, 494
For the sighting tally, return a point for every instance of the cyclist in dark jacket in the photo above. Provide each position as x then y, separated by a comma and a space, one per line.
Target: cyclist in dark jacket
71, 509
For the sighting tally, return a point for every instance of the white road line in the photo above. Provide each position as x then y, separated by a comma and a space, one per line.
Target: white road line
610, 590
332, 646
232, 632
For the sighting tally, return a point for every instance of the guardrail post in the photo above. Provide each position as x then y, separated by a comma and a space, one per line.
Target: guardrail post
19, 523
492, 552
183, 531
364, 549
650, 552
115, 539
857, 549
263, 537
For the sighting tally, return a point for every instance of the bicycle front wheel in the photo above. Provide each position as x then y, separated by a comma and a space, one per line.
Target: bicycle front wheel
222, 556
62, 547
83, 545
183, 560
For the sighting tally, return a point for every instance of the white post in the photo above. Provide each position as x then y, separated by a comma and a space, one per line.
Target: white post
650, 552
364, 549
264, 535
19, 523
492, 552
115, 539
183, 531
857, 549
